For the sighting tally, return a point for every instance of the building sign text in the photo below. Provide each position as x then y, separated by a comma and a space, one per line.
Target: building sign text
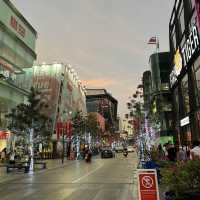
191, 45
17, 26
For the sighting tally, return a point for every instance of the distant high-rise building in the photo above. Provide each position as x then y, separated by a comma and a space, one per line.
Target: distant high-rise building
100, 101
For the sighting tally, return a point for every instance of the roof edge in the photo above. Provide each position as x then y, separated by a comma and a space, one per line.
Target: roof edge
17, 12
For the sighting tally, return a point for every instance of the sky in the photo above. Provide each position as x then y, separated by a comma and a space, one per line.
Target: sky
104, 40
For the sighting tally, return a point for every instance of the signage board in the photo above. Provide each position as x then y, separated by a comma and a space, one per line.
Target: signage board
13, 20
148, 184
184, 54
190, 46
185, 121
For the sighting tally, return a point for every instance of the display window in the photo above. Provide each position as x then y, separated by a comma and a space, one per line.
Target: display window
176, 103
185, 94
196, 69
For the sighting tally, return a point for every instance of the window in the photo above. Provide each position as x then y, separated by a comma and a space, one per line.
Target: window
182, 20
176, 102
197, 76
185, 93
174, 37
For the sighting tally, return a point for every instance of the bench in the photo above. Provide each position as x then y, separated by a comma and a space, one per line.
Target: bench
44, 164
21, 165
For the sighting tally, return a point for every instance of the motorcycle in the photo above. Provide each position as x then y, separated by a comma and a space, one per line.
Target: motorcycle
87, 157
125, 153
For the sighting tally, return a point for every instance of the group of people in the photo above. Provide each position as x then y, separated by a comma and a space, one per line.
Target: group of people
12, 156
173, 153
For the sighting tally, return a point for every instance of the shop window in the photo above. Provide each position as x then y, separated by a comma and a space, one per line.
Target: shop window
185, 93
197, 76
176, 103
182, 21
174, 37
178, 31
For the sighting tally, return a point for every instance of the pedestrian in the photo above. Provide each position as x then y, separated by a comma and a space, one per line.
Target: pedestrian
181, 155
195, 151
161, 153
165, 148
3, 155
171, 152
12, 157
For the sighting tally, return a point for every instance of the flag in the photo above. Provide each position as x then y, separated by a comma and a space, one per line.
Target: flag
152, 40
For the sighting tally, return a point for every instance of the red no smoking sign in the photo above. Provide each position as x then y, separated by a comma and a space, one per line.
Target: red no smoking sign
148, 185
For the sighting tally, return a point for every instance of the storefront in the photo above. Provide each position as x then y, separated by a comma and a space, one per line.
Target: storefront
4, 135
17, 51
185, 74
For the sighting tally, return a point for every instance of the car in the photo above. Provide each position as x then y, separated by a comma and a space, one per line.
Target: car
130, 149
107, 153
119, 149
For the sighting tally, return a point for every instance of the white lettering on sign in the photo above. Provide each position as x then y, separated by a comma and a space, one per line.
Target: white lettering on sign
17, 26
191, 45
185, 121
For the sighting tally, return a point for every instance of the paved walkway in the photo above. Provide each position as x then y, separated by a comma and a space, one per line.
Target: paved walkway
17, 174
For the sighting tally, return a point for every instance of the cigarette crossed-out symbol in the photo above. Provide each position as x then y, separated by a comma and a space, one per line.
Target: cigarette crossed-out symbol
147, 182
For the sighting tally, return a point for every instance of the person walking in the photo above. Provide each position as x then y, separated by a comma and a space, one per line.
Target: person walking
195, 151
181, 155
3, 155
171, 152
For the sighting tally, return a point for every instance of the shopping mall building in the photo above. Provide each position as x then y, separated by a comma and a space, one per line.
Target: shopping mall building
184, 32
62, 91
17, 51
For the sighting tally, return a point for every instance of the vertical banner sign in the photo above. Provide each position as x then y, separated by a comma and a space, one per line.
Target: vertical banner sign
148, 184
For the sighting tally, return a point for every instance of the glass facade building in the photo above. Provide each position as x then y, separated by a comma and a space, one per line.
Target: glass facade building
184, 29
157, 94
17, 51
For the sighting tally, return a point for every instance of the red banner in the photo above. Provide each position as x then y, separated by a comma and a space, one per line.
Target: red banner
148, 185
3, 135
64, 128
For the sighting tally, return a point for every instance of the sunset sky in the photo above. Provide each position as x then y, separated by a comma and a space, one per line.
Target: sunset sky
104, 40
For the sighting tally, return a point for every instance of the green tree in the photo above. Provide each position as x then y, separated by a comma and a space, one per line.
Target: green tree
93, 125
31, 116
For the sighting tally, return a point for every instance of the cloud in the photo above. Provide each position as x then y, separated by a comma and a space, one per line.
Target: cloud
104, 40
99, 83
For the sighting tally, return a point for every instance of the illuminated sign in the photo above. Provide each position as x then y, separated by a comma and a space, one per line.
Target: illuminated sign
17, 26
185, 121
6, 70
184, 55
190, 46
